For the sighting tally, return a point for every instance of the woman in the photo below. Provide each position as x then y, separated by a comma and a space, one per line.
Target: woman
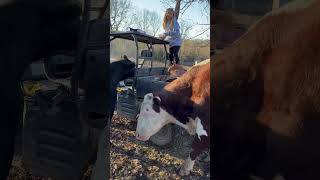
172, 34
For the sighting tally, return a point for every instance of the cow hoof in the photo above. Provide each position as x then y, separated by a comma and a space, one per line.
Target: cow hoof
186, 167
184, 172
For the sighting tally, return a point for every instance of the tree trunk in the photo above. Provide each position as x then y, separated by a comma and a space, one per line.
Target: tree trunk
177, 9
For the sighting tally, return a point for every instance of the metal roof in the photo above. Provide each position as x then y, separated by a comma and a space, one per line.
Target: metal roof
141, 37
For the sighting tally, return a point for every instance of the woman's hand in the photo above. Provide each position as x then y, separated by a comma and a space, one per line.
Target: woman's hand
162, 36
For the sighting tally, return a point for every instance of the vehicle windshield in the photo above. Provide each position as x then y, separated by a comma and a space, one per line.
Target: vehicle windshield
149, 56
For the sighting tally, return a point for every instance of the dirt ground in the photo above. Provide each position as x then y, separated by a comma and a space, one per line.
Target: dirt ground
18, 172
133, 159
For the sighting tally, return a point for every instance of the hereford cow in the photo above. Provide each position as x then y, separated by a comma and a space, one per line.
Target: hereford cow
30, 30
185, 102
266, 105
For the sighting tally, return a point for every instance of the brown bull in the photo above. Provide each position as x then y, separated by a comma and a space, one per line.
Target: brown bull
278, 62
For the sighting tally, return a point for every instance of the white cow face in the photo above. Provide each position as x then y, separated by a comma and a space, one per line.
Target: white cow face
151, 118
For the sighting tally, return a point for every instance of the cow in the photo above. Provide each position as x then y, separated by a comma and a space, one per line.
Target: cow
202, 62
119, 70
176, 70
185, 102
30, 30
266, 105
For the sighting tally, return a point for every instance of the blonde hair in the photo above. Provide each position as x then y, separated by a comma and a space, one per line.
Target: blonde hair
165, 20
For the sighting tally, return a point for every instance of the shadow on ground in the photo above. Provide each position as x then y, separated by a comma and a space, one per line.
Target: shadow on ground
133, 159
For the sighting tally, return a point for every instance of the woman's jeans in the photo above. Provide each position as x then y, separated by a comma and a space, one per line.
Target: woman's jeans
174, 54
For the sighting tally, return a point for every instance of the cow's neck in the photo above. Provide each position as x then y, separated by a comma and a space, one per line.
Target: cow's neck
171, 119
177, 105
240, 63
180, 124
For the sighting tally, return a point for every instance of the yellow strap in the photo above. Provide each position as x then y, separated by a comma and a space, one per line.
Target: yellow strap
31, 89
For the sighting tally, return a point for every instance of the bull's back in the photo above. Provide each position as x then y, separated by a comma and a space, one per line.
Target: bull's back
291, 70
291, 96
201, 83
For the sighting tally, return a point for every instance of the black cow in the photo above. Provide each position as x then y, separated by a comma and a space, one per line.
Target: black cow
30, 30
119, 70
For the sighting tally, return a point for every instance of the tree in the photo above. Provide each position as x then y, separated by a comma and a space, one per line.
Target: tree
145, 20
119, 13
155, 22
185, 27
148, 21
183, 5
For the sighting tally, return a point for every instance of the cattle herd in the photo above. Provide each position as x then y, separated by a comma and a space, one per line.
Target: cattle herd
266, 105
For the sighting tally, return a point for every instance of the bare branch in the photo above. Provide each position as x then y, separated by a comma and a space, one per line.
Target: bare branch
168, 2
181, 6
200, 24
185, 27
119, 12
148, 21
199, 34
187, 5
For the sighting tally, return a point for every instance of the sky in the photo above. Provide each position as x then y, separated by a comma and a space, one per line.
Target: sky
194, 13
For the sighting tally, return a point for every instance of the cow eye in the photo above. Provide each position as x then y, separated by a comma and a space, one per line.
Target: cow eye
147, 109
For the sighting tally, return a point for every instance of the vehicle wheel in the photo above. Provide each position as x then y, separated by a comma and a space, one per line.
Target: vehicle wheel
163, 137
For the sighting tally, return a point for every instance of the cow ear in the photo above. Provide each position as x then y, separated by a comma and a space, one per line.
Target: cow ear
158, 99
156, 104
148, 97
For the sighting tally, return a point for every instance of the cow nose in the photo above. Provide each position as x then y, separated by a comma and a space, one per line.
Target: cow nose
137, 135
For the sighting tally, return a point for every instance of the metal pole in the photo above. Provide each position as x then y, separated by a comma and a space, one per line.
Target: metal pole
152, 58
82, 44
136, 71
166, 53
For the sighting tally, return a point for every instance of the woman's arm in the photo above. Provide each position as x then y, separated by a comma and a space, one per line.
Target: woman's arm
175, 32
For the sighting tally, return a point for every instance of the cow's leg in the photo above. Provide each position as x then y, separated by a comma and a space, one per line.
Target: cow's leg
101, 170
11, 112
198, 146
